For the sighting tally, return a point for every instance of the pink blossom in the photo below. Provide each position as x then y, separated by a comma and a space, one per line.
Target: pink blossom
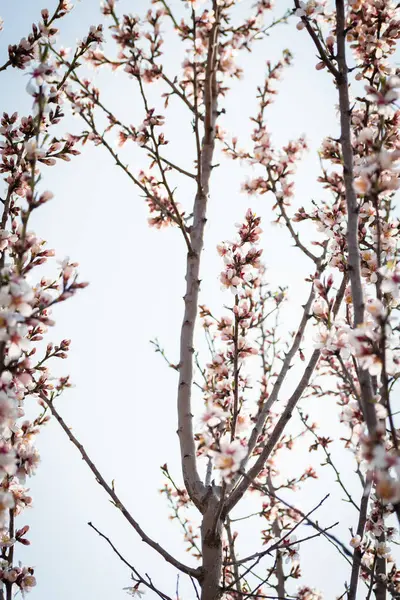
229, 457
355, 541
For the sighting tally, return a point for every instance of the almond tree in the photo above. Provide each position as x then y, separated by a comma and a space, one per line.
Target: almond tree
348, 330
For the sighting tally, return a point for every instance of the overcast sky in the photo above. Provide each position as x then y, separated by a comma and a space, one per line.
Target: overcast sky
123, 404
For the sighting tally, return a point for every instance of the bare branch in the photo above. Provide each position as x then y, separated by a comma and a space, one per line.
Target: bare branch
357, 555
278, 544
322, 53
116, 501
354, 261
193, 483
333, 539
148, 584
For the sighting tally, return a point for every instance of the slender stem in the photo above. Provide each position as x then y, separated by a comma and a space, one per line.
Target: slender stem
232, 554
329, 461
357, 555
162, 171
276, 530
371, 584
183, 97
161, 206
380, 587
354, 261
196, 104
193, 483
235, 371
322, 53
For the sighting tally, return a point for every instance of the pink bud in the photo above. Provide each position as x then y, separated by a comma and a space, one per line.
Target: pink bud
22, 531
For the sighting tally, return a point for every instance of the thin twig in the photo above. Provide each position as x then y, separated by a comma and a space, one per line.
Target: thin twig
131, 567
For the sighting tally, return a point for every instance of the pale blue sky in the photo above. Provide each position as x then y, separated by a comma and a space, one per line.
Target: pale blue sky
123, 405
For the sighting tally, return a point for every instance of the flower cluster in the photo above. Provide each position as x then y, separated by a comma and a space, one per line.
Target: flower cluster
376, 543
179, 503
277, 167
306, 593
26, 299
309, 10
349, 346
224, 421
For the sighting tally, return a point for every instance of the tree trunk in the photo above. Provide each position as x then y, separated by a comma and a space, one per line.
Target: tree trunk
380, 588
211, 540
